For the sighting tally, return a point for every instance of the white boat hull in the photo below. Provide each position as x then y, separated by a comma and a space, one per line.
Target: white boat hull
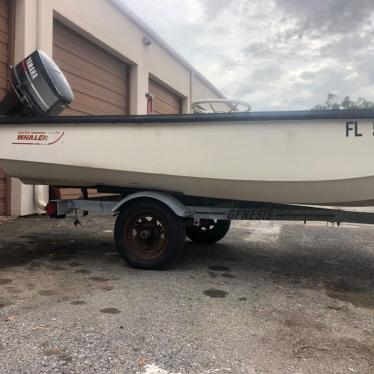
292, 161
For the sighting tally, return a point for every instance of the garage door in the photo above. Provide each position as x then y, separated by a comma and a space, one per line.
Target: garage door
2, 193
98, 79
165, 101
4, 61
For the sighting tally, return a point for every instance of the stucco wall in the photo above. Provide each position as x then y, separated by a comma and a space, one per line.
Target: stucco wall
108, 26
202, 91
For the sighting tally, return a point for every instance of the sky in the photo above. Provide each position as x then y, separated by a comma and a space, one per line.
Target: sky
274, 54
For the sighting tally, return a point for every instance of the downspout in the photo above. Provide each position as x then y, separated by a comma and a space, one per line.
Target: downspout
39, 190
38, 22
39, 201
192, 84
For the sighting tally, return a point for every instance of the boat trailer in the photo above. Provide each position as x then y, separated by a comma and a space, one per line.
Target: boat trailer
151, 226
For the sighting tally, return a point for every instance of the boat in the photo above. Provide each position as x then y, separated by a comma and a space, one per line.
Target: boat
308, 157
299, 157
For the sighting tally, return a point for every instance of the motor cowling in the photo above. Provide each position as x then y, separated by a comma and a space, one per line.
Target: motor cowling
38, 88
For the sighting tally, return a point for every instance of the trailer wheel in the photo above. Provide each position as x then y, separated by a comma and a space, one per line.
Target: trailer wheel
148, 235
209, 231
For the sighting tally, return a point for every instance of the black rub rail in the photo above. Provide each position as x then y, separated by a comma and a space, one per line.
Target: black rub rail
304, 115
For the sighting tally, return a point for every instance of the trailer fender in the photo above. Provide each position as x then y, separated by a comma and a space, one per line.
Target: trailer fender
170, 201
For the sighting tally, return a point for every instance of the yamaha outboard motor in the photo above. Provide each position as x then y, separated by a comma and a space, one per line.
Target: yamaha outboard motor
38, 88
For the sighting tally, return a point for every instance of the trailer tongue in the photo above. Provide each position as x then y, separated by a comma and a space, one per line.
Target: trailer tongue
185, 175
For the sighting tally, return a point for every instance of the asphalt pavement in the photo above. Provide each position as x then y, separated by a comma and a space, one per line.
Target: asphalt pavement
269, 298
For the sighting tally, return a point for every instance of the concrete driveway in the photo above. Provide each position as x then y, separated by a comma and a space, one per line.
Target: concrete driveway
269, 298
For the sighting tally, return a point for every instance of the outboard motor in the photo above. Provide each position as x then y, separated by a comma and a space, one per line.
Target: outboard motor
38, 88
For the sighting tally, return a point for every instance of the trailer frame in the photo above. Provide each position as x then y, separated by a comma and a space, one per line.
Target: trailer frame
225, 209
156, 235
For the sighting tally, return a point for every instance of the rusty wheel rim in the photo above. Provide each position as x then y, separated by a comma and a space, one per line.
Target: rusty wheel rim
146, 235
207, 225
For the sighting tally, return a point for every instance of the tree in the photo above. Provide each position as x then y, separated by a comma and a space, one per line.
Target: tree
333, 103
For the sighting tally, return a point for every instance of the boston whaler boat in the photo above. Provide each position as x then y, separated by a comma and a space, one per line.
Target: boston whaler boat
248, 159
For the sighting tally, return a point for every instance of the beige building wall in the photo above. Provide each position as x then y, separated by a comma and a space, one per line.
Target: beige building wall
115, 29
201, 90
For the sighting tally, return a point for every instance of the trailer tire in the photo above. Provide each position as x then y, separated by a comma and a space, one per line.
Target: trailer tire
209, 231
148, 235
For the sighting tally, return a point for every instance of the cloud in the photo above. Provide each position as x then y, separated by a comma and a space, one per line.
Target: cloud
328, 16
276, 54
213, 8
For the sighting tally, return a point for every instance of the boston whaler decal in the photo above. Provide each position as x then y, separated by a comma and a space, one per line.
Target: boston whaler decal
38, 137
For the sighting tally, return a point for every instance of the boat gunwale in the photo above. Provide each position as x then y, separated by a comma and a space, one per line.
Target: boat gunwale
304, 115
